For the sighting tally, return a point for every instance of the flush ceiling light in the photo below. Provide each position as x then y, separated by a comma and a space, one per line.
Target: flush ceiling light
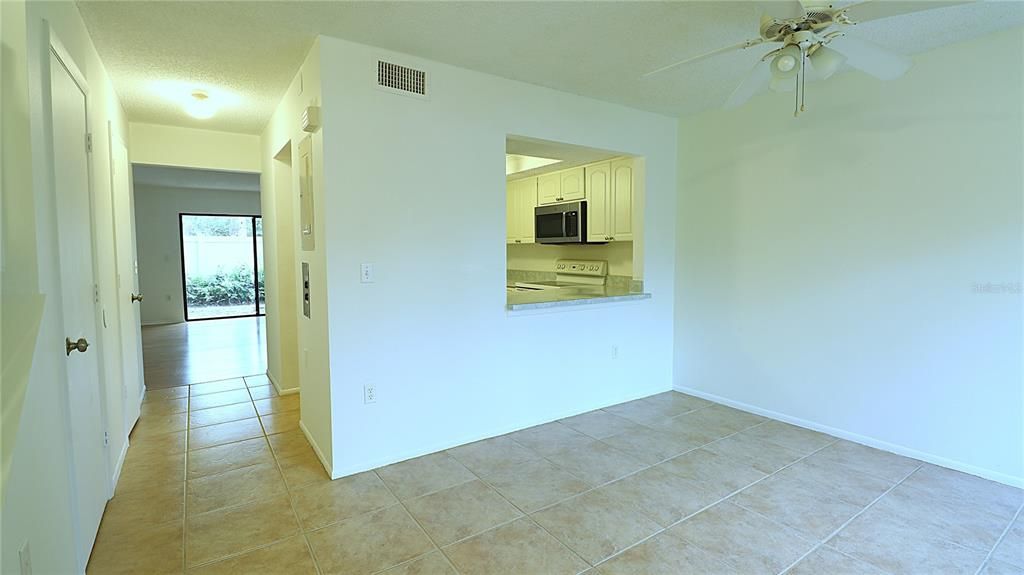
197, 99
200, 106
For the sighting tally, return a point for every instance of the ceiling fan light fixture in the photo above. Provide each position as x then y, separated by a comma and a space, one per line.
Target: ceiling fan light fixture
785, 64
826, 61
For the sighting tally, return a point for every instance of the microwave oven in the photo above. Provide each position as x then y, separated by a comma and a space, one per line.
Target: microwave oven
564, 223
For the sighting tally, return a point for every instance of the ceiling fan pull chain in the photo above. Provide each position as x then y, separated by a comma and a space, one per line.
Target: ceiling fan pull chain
803, 78
796, 96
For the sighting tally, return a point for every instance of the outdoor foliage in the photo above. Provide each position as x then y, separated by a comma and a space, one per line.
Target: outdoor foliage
232, 287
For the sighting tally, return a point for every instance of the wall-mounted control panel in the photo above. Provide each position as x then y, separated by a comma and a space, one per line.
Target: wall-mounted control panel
305, 289
306, 210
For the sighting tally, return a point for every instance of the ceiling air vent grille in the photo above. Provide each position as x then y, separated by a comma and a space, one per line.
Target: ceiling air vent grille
402, 79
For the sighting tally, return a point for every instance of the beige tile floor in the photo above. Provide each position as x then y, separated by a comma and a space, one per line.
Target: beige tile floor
220, 480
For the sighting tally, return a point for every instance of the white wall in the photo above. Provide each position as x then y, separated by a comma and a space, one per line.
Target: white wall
37, 491
159, 240
827, 263
417, 187
296, 345
194, 148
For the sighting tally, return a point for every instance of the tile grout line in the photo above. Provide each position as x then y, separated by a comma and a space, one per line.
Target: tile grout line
821, 543
647, 466
520, 510
288, 492
418, 524
594, 488
721, 500
999, 540
253, 501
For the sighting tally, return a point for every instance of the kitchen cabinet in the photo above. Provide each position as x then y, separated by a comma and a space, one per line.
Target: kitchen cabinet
563, 186
572, 185
623, 186
520, 200
549, 188
599, 201
609, 187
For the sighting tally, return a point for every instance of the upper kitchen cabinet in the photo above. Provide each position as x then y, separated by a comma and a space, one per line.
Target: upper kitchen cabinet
563, 186
599, 201
572, 185
521, 199
623, 186
610, 201
549, 188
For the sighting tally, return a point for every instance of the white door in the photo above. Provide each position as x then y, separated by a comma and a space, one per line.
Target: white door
128, 297
74, 221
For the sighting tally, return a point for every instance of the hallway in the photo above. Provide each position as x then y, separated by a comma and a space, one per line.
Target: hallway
210, 452
199, 351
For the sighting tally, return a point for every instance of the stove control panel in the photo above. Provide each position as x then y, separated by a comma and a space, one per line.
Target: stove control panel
597, 268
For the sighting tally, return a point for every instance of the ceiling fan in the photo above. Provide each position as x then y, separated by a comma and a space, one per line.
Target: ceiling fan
816, 34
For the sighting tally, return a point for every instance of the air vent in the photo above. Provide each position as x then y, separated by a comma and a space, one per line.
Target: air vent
401, 79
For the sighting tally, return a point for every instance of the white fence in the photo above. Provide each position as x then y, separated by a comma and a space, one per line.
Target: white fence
206, 255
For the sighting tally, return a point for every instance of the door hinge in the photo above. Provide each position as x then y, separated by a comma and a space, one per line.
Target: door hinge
95, 293
88, 143
106, 439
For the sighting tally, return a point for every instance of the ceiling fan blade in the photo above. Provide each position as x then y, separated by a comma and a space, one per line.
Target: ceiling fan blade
740, 46
755, 81
871, 58
869, 10
783, 10
782, 85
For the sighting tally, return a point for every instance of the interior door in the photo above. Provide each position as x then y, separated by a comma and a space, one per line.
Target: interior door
128, 297
74, 221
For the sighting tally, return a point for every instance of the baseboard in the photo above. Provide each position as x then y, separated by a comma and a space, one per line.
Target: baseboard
277, 386
119, 467
316, 450
861, 439
441, 446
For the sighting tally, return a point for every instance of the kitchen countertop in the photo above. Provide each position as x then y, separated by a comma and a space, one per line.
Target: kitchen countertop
569, 296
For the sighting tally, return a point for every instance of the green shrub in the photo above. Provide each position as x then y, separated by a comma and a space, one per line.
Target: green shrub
232, 287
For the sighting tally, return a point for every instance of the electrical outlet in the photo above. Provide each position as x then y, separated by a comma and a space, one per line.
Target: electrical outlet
615, 352
366, 273
25, 558
369, 394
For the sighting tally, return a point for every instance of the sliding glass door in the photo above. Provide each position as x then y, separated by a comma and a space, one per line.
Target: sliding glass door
222, 266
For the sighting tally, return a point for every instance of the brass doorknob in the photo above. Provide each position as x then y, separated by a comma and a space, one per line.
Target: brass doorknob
80, 346
136, 298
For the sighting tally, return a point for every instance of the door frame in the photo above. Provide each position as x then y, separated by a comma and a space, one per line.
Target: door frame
56, 49
255, 265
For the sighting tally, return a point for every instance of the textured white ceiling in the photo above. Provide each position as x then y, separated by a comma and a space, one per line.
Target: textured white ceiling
597, 49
